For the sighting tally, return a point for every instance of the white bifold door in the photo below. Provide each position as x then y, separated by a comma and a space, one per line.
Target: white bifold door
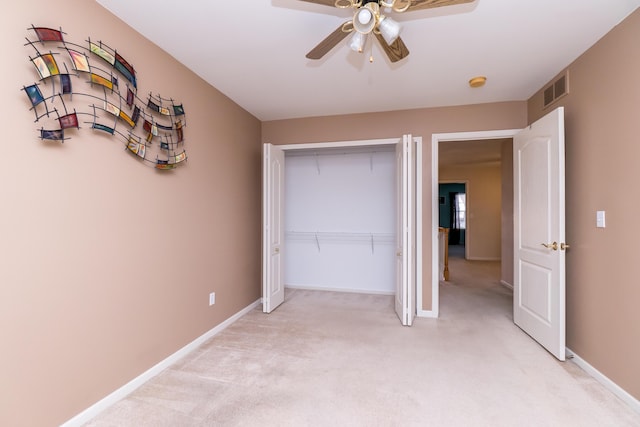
273, 229
539, 232
405, 219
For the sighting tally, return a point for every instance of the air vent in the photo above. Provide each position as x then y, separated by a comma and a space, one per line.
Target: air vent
556, 90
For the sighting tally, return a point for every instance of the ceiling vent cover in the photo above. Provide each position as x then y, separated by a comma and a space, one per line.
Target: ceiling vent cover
556, 90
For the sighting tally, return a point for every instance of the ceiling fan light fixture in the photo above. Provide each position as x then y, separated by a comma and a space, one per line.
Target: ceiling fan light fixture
367, 18
357, 41
389, 29
364, 20
364, 16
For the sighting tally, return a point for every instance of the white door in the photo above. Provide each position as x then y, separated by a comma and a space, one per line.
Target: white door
405, 302
539, 233
272, 227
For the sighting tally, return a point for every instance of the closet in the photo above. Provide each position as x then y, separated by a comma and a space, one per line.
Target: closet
342, 216
340, 219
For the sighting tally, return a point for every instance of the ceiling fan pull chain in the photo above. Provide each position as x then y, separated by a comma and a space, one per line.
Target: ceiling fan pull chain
371, 53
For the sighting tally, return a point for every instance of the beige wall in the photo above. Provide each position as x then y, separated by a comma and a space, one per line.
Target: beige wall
420, 122
483, 207
602, 173
107, 264
506, 246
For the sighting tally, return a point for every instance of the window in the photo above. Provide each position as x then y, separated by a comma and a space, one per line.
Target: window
460, 217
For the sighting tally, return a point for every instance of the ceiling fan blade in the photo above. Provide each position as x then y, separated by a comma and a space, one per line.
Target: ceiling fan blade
327, 44
396, 50
331, 3
428, 4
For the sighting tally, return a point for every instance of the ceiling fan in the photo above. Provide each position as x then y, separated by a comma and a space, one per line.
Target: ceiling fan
368, 19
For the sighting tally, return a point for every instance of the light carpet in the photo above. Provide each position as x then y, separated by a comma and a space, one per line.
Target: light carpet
342, 359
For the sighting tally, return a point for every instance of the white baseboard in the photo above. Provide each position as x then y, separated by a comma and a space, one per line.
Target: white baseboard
353, 291
506, 284
605, 381
427, 313
89, 413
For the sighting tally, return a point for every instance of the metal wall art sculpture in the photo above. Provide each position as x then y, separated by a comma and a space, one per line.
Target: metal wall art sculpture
151, 129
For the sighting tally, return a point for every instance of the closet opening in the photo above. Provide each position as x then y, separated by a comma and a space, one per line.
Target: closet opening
342, 217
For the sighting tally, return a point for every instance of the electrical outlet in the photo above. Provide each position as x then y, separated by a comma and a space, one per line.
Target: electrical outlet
212, 298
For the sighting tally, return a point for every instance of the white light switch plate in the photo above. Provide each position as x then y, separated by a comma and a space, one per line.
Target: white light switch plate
600, 219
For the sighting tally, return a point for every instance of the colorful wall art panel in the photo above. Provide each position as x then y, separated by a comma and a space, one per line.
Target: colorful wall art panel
91, 85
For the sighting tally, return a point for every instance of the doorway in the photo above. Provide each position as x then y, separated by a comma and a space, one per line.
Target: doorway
468, 138
538, 232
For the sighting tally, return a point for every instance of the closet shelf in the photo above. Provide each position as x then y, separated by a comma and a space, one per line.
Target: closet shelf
341, 237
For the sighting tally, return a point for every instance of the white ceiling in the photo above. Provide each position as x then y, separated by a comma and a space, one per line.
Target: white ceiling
254, 51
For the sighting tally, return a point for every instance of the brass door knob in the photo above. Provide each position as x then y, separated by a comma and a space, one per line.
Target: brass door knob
564, 246
553, 245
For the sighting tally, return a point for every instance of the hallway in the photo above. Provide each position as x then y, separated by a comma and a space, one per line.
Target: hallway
473, 286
